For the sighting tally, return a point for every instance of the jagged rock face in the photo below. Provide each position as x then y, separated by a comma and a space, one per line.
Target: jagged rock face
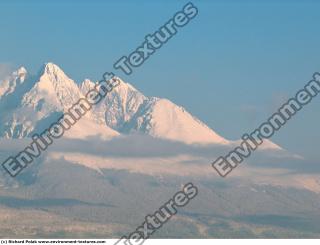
31, 103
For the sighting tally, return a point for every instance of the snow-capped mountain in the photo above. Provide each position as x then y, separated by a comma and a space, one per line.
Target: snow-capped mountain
29, 104
127, 110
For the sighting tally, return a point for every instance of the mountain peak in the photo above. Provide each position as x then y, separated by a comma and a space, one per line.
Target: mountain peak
125, 109
52, 69
86, 86
124, 85
51, 65
51, 77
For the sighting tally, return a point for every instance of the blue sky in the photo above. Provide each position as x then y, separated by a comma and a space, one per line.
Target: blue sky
231, 66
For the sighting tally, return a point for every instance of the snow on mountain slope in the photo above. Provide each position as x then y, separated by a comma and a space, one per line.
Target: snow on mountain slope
88, 127
86, 86
127, 110
34, 105
122, 104
29, 104
268, 144
53, 91
118, 107
163, 119
176, 123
